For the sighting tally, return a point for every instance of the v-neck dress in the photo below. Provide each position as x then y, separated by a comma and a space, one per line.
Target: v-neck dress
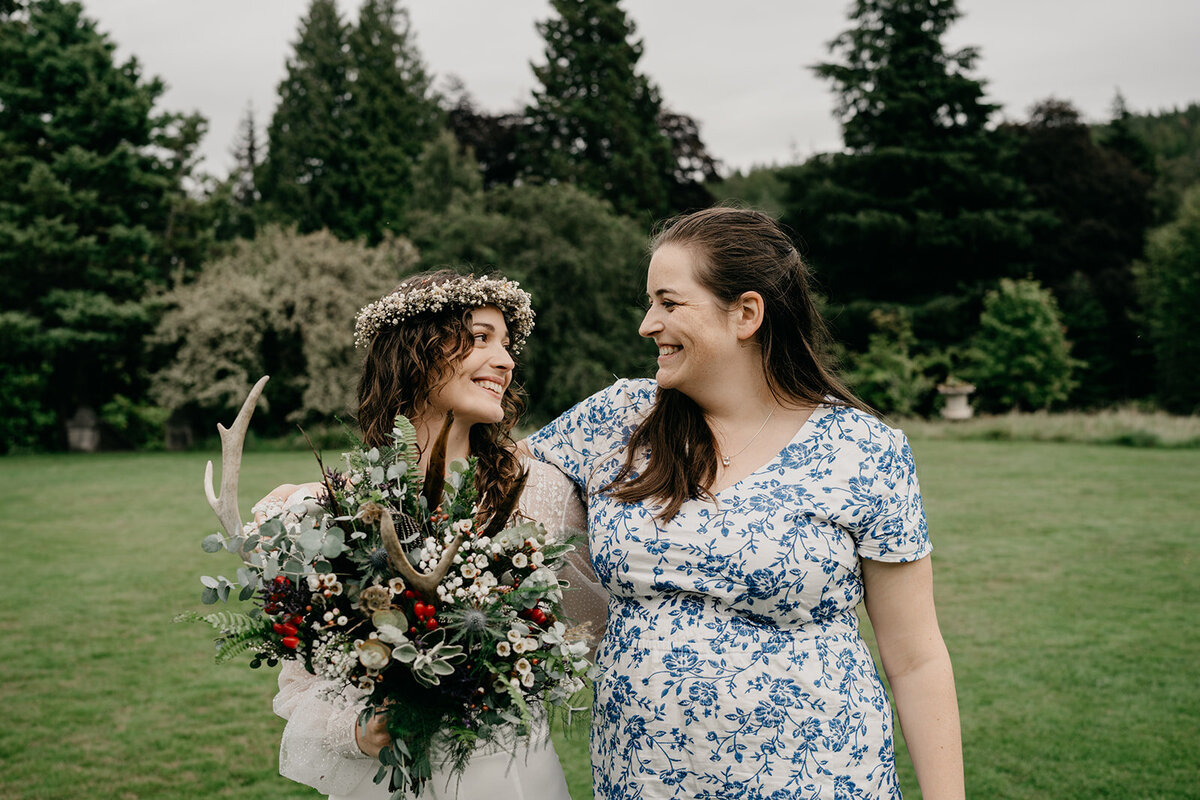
732, 665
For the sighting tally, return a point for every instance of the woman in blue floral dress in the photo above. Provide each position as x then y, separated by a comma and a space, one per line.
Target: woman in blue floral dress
740, 507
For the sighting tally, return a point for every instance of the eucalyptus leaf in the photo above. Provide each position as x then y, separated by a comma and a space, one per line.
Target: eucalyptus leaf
246, 593
208, 596
377, 475
270, 528
310, 541
332, 548
209, 581
212, 543
293, 567
322, 567
224, 592
246, 577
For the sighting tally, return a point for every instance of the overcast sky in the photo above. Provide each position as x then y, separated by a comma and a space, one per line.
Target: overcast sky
739, 68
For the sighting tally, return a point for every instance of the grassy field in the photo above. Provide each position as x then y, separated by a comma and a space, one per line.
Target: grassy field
1067, 580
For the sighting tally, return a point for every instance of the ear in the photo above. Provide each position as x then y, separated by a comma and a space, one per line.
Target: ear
749, 310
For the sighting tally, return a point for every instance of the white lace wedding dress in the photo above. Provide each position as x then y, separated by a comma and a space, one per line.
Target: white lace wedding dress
318, 747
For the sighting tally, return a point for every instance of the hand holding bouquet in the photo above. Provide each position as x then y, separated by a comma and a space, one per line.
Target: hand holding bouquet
445, 619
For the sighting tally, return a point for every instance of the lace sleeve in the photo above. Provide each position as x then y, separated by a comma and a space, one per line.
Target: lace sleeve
318, 747
551, 498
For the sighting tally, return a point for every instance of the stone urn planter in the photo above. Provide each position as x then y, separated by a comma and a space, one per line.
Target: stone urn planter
956, 393
83, 431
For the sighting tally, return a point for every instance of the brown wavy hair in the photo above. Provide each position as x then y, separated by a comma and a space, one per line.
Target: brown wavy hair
735, 251
407, 363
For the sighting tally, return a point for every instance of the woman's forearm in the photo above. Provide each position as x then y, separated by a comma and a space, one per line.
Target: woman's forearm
928, 708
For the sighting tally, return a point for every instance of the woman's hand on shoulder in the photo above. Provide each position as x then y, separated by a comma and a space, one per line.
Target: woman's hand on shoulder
273, 501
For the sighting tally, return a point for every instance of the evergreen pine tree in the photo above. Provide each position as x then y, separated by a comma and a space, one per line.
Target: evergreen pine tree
93, 215
919, 207
390, 117
305, 179
235, 202
594, 120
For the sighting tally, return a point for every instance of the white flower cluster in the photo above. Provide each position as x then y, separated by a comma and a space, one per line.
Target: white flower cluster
331, 658
466, 291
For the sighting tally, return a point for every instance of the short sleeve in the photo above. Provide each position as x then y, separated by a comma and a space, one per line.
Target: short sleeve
895, 528
592, 428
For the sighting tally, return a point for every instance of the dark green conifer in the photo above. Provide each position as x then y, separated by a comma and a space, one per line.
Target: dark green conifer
594, 120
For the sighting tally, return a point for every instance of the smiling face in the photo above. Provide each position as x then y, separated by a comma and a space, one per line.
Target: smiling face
479, 379
695, 334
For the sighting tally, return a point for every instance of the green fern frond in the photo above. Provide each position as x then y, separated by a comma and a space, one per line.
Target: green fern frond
232, 645
228, 622
405, 437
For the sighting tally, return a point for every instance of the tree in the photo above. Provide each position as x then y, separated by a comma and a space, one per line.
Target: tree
562, 245
280, 305
694, 166
897, 85
1100, 207
1021, 356
235, 203
594, 120
390, 116
306, 178
919, 206
492, 138
444, 173
1169, 280
889, 376
1173, 137
93, 216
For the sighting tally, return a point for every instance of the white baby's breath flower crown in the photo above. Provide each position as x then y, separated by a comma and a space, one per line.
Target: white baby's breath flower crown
464, 291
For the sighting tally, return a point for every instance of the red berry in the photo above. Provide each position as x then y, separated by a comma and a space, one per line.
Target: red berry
409, 594
278, 628
430, 624
289, 629
290, 642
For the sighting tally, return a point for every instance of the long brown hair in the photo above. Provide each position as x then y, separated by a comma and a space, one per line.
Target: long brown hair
734, 251
407, 363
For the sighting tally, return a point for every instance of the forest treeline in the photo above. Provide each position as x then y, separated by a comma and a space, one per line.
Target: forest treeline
1050, 262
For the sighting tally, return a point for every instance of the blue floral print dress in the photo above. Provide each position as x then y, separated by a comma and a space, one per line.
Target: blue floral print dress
732, 665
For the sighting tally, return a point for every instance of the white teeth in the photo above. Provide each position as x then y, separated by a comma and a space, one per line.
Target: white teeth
495, 387
668, 349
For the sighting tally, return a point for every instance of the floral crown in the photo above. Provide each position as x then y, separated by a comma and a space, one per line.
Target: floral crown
464, 291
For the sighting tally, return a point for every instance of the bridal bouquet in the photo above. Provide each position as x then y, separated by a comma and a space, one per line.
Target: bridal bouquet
446, 619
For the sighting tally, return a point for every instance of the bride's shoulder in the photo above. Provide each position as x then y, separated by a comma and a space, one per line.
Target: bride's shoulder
541, 473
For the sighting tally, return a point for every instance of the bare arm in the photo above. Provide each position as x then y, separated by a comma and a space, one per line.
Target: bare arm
900, 604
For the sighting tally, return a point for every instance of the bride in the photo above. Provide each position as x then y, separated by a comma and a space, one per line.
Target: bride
440, 342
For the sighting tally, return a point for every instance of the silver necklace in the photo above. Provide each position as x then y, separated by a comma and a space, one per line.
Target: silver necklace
726, 459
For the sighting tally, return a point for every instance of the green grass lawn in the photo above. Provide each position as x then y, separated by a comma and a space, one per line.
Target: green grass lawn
1066, 580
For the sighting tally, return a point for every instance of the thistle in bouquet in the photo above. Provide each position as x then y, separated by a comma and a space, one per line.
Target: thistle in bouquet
402, 592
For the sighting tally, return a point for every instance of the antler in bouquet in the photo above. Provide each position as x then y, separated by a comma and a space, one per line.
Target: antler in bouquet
435, 479
426, 583
233, 439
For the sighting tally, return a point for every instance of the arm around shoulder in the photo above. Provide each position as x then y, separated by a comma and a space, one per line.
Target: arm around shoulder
899, 599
